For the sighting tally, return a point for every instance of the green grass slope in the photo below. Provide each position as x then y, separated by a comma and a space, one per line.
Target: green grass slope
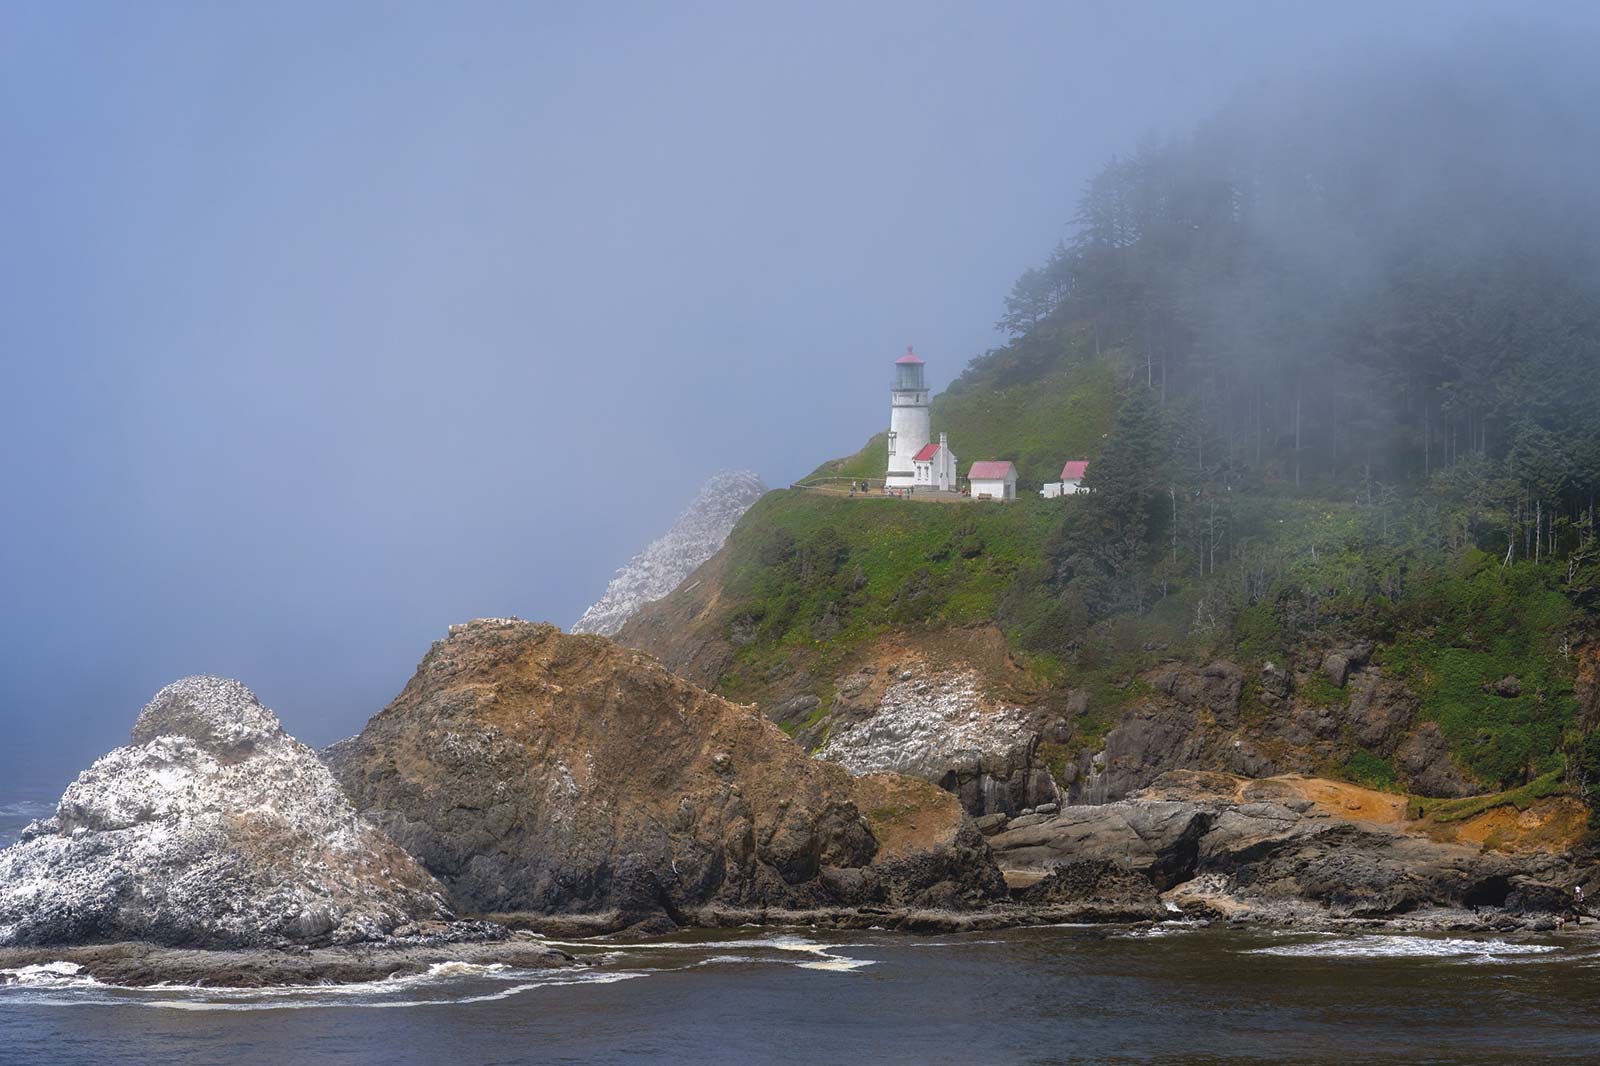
825, 572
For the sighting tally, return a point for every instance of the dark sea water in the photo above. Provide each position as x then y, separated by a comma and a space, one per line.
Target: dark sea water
1053, 995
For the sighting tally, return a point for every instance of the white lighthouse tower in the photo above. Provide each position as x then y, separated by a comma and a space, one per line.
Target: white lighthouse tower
910, 425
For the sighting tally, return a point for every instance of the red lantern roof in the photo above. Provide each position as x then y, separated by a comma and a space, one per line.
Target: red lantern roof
909, 357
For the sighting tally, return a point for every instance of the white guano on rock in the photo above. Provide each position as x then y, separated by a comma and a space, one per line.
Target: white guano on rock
923, 724
696, 536
214, 828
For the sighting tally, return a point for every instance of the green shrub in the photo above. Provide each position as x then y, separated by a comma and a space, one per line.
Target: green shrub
1365, 768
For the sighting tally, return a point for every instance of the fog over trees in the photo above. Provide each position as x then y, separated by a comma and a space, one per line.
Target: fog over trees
1371, 282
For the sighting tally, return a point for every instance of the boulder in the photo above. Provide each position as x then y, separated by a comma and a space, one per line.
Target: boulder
1215, 688
1508, 687
1379, 712
1157, 840
1337, 664
1424, 758
213, 829
795, 708
1099, 890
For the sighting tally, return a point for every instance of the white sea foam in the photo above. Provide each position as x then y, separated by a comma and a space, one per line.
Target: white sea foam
65, 984
821, 956
835, 964
48, 975
1389, 947
356, 996
1164, 929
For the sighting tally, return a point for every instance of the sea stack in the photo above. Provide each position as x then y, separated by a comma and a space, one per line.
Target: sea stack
212, 829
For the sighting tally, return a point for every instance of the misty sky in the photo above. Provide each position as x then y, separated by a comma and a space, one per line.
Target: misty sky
328, 325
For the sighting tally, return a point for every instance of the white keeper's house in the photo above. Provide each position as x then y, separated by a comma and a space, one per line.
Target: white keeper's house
993, 479
935, 466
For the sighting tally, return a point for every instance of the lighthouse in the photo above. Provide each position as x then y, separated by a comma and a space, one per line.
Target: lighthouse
910, 425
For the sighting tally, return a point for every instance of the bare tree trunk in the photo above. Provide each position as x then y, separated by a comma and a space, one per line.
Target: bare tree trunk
1172, 490
1427, 439
1258, 425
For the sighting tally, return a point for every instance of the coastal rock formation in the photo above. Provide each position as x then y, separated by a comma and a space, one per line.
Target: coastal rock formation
542, 773
213, 829
1193, 719
1283, 850
696, 536
939, 727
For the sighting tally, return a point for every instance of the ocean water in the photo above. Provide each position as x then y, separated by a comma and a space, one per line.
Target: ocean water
1173, 994
18, 807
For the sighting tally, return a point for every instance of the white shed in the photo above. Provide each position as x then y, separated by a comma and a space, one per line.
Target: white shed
993, 479
1071, 480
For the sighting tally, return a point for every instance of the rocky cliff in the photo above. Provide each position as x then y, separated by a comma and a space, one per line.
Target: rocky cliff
212, 829
952, 705
696, 536
542, 773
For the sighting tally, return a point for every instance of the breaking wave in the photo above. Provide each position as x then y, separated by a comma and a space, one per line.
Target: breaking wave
444, 983
1392, 947
819, 956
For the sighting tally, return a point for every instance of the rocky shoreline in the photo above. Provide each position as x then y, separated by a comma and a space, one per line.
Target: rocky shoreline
140, 964
559, 786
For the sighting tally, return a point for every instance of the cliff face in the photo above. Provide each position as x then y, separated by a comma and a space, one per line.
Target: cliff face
537, 772
212, 829
951, 705
696, 536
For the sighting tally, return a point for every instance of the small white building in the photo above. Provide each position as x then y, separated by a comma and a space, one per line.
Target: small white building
1071, 480
935, 466
993, 479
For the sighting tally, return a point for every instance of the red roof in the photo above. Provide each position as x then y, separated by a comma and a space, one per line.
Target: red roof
909, 357
928, 452
1074, 470
992, 468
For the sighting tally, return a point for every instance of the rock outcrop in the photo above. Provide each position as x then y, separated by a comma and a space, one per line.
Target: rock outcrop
541, 773
1194, 718
696, 536
213, 829
938, 726
1282, 850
